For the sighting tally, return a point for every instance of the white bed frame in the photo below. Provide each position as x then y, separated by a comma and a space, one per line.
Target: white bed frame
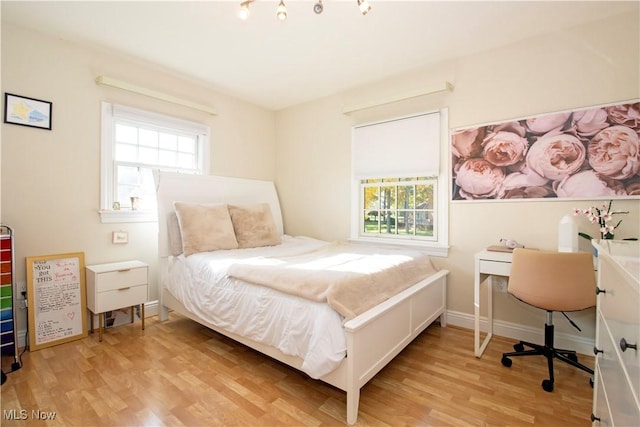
374, 338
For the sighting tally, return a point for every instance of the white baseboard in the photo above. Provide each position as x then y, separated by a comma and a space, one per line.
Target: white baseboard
150, 310
516, 331
464, 320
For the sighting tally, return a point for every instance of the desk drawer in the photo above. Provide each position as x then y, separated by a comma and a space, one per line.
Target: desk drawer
495, 267
124, 297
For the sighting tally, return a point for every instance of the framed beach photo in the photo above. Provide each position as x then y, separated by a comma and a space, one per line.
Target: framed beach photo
24, 111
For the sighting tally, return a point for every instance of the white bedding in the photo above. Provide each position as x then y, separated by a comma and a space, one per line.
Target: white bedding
296, 326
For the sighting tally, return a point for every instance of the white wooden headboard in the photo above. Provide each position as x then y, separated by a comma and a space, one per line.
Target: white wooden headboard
178, 187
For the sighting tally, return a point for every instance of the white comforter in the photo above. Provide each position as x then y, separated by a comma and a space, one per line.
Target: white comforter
296, 326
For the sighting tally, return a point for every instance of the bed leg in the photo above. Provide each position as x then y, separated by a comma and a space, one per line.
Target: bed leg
443, 318
163, 313
353, 399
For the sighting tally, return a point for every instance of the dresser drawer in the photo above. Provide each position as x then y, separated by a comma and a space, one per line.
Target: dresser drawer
113, 280
123, 297
618, 306
614, 378
600, 403
620, 299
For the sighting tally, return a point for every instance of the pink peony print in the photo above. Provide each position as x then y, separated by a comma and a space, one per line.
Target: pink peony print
555, 156
615, 152
590, 122
547, 123
504, 148
625, 114
467, 143
479, 179
588, 184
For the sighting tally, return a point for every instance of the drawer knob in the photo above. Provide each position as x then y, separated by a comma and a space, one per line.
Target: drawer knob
624, 345
600, 291
596, 350
594, 418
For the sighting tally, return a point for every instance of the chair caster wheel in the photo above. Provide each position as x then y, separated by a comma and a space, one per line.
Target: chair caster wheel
518, 347
506, 362
547, 386
591, 382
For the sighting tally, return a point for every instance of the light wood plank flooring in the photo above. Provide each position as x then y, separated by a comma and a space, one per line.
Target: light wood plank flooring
178, 373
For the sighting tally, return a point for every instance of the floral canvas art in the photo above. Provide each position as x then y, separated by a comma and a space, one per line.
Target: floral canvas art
583, 154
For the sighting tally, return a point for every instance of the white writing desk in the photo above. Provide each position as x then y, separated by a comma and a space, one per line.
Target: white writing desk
487, 265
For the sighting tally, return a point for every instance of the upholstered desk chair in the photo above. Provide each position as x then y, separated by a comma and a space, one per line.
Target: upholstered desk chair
551, 281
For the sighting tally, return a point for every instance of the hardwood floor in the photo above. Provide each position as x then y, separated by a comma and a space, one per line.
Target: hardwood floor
178, 373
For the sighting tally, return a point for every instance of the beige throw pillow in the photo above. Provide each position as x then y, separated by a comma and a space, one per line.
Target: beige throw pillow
173, 230
254, 226
205, 228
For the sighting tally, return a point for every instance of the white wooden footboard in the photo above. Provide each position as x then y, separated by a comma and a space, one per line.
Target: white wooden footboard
373, 339
377, 336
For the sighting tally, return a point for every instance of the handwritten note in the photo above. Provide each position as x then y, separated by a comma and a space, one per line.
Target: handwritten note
58, 299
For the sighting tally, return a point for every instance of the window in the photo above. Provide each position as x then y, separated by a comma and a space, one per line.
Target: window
134, 143
398, 185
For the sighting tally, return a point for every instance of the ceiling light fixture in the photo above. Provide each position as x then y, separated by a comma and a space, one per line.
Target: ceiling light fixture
318, 8
364, 6
281, 11
244, 11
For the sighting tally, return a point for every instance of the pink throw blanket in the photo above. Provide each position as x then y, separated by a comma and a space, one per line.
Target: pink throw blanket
350, 278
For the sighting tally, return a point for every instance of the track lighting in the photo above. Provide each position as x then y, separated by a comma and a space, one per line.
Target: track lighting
318, 8
281, 11
244, 11
364, 6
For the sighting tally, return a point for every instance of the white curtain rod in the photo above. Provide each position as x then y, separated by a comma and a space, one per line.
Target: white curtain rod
441, 87
108, 81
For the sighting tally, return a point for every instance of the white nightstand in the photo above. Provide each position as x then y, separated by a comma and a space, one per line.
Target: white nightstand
116, 285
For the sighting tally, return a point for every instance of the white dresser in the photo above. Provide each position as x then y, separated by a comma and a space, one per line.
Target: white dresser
616, 395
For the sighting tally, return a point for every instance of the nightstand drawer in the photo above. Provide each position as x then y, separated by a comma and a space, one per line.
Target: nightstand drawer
114, 280
123, 297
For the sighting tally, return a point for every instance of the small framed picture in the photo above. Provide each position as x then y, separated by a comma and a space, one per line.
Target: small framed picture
24, 111
120, 237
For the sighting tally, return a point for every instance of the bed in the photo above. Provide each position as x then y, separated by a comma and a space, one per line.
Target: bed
364, 338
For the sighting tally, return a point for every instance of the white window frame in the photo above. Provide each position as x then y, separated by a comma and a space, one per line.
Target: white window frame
436, 247
108, 185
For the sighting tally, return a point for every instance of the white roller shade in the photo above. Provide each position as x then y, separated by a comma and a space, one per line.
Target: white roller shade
400, 148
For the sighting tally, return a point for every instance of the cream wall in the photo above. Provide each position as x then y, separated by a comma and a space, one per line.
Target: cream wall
588, 65
51, 179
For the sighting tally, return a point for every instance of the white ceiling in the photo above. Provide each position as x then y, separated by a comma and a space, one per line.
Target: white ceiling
278, 64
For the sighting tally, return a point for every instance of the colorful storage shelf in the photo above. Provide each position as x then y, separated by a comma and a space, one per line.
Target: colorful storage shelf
8, 336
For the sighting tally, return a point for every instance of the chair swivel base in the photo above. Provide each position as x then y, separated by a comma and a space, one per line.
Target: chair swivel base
548, 351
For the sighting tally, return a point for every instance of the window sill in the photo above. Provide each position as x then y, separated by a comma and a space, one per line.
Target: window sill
109, 216
429, 248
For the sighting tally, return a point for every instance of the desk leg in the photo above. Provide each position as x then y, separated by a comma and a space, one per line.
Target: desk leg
479, 347
142, 314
